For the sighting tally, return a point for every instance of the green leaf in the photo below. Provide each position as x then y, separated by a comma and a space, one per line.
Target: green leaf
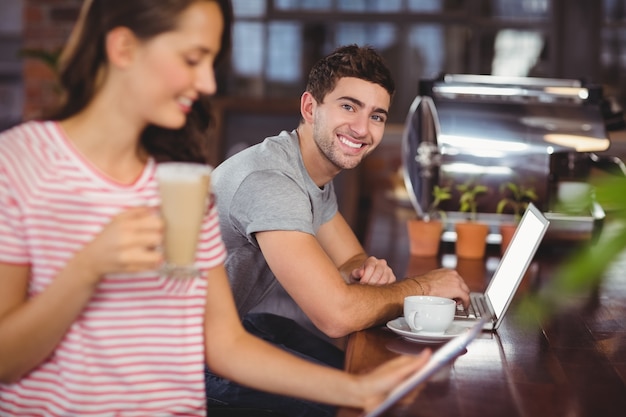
585, 267
50, 58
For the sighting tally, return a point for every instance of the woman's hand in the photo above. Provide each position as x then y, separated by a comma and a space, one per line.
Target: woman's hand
376, 385
131, 242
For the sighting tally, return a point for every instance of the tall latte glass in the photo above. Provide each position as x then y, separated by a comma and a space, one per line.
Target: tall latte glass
184, 188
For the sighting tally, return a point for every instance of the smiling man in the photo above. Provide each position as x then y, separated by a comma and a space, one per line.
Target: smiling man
280, 223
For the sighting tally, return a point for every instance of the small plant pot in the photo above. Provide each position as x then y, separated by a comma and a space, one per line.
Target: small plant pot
424, 237
471, 240
473, 271
507, 230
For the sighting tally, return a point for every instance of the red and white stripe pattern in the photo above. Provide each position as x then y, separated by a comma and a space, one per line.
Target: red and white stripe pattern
137, 349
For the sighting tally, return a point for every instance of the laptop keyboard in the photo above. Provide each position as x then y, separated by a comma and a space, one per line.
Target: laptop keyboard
473, 309
462, 311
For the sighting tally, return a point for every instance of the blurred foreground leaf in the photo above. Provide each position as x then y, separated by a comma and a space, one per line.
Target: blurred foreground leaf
584, 269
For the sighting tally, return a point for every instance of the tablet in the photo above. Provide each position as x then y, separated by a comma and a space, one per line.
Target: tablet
438, 359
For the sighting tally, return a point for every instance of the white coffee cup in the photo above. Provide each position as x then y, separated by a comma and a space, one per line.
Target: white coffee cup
428, 314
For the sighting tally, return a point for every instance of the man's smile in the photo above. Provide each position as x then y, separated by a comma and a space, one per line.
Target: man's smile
350, 143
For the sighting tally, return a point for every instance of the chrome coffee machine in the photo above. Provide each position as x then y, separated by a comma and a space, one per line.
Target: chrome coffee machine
544, 134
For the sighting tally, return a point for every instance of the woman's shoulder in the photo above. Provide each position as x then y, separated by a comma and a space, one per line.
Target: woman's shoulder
28, 133
33, 141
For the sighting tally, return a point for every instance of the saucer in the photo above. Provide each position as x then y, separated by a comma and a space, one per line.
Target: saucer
400, 327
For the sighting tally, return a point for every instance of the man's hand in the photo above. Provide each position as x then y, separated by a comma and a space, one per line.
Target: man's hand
444, 282
374, 271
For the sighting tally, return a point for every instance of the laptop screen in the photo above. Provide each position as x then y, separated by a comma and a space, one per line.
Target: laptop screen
516, 259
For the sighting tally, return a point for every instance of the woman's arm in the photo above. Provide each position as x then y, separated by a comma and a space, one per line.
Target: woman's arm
237, 355
31, 328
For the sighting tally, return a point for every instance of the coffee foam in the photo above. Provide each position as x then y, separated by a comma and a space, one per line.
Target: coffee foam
175, 171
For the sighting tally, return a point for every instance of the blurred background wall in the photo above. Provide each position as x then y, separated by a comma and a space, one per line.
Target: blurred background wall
276, 42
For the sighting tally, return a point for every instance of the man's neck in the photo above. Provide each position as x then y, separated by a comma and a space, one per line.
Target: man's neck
320, 169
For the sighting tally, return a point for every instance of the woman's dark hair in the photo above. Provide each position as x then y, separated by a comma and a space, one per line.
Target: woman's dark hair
84, 60
348, 61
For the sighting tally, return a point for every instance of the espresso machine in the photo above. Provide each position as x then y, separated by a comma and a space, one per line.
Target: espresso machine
539, 133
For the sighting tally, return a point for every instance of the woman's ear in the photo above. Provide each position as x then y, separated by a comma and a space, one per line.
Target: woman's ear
120, 45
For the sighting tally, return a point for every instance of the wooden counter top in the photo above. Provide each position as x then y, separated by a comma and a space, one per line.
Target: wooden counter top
572, 365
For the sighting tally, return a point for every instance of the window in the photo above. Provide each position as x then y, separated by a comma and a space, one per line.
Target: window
277, 41
613, 49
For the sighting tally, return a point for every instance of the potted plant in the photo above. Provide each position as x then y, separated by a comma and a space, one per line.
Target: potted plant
425, 232
471, 235
516, 198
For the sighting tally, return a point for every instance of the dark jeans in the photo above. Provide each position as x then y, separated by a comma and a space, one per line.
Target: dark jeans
291, 337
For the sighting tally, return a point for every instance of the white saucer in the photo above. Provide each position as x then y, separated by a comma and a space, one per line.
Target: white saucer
400, 327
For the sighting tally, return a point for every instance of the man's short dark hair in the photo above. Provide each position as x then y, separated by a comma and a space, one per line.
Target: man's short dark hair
349, 61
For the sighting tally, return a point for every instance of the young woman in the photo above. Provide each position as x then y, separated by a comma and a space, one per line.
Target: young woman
87, 324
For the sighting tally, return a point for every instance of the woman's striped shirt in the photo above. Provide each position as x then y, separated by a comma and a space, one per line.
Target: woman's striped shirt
137, 349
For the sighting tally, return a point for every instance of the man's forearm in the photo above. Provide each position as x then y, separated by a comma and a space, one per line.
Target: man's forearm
363, 306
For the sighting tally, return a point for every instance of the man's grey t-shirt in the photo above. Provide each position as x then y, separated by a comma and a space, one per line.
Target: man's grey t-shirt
262, 188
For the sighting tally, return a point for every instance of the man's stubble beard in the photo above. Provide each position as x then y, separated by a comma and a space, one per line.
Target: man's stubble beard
326, 143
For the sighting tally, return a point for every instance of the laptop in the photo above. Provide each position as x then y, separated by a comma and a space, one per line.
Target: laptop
494, 302
441, 357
